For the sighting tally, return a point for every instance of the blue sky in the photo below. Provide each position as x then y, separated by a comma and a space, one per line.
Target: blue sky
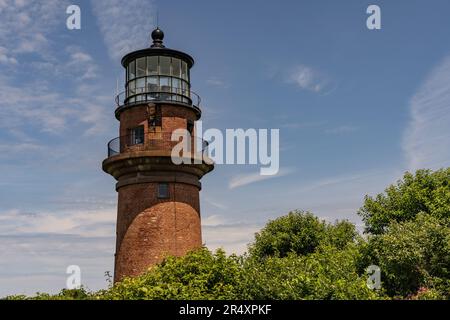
355, 108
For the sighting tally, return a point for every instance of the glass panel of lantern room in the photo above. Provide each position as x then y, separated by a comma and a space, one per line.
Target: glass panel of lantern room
132, 87
140, 85
184, 71
152, 84
131, 71
152, 87
176, 85
164, 66
164, 82
185, 88
140, 67
152, 66
176, 89
176, 67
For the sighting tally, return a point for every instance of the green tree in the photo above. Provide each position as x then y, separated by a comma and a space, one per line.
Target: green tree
301, 233
425, 191
414, 256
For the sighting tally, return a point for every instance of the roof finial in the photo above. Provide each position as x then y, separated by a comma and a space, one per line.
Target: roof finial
157, 36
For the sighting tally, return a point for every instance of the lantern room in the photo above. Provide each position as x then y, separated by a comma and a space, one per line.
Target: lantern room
157, 74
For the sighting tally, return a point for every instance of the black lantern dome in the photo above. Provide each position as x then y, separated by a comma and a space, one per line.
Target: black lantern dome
158, 37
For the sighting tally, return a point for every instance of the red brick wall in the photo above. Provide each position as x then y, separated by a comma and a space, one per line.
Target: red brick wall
173, 117
149, 228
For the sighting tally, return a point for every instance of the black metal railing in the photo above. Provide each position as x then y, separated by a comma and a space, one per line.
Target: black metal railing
153, 141
158, 94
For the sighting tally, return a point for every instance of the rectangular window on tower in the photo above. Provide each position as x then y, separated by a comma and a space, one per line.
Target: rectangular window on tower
137, 135
163, 191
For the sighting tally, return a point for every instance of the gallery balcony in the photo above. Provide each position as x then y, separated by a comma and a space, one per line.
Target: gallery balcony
157, 94
151, 141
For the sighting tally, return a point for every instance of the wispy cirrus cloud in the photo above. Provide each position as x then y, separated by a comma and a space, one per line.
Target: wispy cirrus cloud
217, 82
125, 25
38, 105
250, 178
426, 141
310, 79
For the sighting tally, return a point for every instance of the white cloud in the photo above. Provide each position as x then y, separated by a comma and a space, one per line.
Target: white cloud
5, 58
427, 138
349, 179
246, 179
213, 220
32, 263
216, 82
85, 223
81, 64
215, 203
24, 24
125, 25
29, 27
25, 147
38, 105
307, 78
233, 237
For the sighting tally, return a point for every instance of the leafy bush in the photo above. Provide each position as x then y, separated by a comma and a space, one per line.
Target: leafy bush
198, 275
329, 273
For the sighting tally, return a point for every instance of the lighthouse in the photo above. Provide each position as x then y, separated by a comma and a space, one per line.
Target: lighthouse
158, 212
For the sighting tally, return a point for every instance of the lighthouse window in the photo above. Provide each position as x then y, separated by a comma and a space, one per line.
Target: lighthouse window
176, 85
176, 67
185, 88
184, 72
157, 77
164, 65
164, 83
137, 135
131, 70
140, 67
152, 66
140, 85
132, 87
152, 84
163, 190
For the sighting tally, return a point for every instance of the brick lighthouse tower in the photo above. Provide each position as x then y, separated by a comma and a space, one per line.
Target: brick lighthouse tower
158, 201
